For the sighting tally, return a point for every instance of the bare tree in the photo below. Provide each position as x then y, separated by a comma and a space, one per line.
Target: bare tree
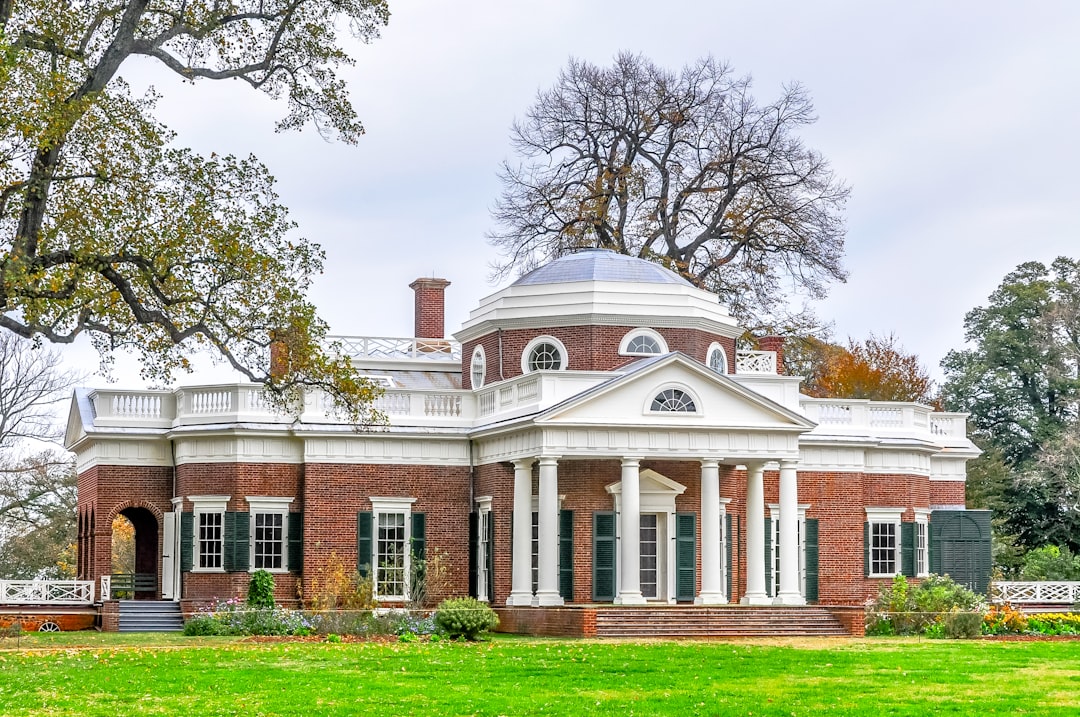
685, 169
37, 487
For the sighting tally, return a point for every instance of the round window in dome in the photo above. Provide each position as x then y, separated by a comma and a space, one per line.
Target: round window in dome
477, 367
544, 353
642, 342
717, 359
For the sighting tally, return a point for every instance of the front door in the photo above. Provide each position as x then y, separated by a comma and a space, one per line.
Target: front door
653, 574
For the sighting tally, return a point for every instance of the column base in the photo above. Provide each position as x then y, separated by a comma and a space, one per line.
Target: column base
759, 599
711, 599
630, 599
548, 599
520, 600
789, 599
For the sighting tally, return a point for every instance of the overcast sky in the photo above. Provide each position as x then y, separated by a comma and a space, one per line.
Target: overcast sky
956, 125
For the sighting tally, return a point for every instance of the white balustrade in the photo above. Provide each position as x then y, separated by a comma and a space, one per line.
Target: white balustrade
442, 404
1019, 593
393, 403
385, 347
884, 417
834, 413
208, 401
486, 403
755, 362
46, 592
136, 405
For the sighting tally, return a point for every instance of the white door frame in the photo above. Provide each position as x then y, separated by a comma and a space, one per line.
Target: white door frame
657, 496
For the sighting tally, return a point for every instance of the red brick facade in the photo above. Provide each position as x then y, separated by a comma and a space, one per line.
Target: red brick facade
590, 348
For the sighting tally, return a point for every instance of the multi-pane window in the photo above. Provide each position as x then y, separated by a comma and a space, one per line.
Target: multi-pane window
545, 357
643, 345
478, 367
210, 540
884, 544
535, 550
922, 549
800, 528
391, 555
649, 556
672, 400
268, 548
483, 548
717, 359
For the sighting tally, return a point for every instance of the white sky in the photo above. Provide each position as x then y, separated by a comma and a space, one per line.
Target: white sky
956, 124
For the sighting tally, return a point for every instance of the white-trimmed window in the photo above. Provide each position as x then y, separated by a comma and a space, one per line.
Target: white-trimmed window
209, 533
673, 400
716, 358
883, 534
269, 533
392, 527
483, 548
544, 353
642, 342
800, 531
922, 543
478, 367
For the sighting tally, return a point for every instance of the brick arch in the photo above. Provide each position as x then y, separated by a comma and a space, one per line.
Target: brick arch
159, 515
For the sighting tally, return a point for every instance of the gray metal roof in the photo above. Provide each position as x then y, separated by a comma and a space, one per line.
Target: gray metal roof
600, 265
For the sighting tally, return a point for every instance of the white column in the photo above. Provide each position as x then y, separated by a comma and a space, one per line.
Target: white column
788, 592
630, 536
547, 582
712, 587
755, 536
521, 578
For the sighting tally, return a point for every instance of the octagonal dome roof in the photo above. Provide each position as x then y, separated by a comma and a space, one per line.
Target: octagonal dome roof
600, 265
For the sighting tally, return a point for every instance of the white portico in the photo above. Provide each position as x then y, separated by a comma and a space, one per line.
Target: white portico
664, 409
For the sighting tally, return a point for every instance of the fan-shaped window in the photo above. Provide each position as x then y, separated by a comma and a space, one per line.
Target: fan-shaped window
673, 400
717, 359
477, 367
544, 353
643, 342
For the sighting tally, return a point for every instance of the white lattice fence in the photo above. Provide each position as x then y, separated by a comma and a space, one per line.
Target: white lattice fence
46, 592
1036, 592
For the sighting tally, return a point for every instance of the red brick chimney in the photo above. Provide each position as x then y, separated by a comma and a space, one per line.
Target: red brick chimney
429, 320
775, 344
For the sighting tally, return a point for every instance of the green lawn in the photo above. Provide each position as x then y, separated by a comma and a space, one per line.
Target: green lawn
90, 674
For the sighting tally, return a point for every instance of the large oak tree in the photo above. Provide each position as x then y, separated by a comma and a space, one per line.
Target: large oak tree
109, 229
687, 169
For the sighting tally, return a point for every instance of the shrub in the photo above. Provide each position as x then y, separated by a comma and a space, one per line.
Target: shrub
261, 590
932, 607
1004, 620
335, 587
1050, 562
231, 617
465, 617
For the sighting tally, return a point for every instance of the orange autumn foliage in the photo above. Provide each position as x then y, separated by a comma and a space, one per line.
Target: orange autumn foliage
877, 369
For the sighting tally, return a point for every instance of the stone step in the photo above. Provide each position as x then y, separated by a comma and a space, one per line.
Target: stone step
150, 616
719, 622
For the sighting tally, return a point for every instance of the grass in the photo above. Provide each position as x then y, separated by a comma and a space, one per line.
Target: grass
94, 674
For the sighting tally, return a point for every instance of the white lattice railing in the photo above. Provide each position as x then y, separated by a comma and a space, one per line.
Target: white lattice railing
385, 347
755, 362
46, 592
1035, 592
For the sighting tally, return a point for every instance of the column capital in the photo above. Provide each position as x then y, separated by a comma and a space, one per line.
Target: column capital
789, 464
549, 460
523, 464
710, 463
628, 461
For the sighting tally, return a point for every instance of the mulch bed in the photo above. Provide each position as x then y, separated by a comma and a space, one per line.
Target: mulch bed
1031, 638
321, 638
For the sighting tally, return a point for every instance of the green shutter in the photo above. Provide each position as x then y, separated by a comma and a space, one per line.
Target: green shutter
419, 535
237, 530
566, 555
603, 578
363, 543
866, 548
936, 520
685, 556
418, 550
729, 540
811, 560
491, 558
187, 541
296, 542
907, 549
474, 547
768, 556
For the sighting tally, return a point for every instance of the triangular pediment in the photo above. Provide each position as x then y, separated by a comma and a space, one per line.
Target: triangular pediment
718, 402
75, 430
649, 482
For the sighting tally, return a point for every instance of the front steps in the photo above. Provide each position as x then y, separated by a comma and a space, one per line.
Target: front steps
731, 621
150, 616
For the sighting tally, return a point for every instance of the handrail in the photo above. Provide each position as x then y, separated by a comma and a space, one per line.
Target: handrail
46, 592
1020, 592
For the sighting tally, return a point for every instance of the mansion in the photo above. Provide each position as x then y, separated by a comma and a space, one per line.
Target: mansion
589, 436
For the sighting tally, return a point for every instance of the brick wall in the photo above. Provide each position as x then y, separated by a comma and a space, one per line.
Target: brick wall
947, 492
334, 493
428, 320
590, 348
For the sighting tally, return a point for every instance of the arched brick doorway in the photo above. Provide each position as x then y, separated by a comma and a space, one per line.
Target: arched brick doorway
146, 551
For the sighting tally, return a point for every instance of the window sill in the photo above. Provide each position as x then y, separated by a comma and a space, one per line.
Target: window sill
209, 571
882, 575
